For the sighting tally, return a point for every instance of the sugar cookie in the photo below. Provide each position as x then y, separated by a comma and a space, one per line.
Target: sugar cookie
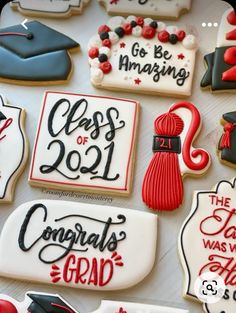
78, 245
13, 148
35, 56
174, 157
171, 9
49, 8
207, 242
142, 55
85, 142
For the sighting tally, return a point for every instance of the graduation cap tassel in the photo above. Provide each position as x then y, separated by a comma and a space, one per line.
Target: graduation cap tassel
29, 36
225, 142
163, 186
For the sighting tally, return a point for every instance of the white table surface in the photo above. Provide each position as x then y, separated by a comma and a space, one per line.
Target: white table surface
164, 285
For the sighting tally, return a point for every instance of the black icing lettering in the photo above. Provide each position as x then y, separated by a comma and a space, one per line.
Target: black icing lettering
91, 169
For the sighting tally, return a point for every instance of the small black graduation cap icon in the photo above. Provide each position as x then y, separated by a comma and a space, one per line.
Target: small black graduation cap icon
3, 3
35, 55
44, 303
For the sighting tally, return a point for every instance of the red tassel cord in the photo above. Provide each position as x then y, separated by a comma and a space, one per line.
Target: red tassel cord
162, 186
225, 142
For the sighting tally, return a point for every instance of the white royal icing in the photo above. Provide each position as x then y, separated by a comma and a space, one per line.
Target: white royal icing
157, 8
210, 227
130, 48
13, 148
78, 245
49, 6
88, 153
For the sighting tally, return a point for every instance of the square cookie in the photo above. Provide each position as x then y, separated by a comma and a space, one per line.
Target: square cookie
85, 142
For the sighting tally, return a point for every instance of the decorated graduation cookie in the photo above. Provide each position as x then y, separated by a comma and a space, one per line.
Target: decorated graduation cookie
35, 56
78, 245
227, 143
35, 302
221, 70
155, 8
174, 157
210, 227
142, 55
13, 148
51, 8
85, 142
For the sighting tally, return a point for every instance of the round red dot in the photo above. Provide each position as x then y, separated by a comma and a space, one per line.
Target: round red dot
181, 35
140, 21
148, 32
163, 36
127, 28
7, 307
93, 53
104, 29
106, 67
232, 18
106, 43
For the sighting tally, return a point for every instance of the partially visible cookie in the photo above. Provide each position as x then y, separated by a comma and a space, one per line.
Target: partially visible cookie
13, 148
162, 9
49, 8
227, 143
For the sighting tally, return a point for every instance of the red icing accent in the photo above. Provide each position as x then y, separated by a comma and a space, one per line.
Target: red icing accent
232, 18
127, 28
230, 58
225, 142
140, 21
64, 308
106, 43
7, 307
6, 124
231, 35
106, 67
104, 29
193, 129
121, 310
93, 53
163, 36
162, 185
148, 32
181, 35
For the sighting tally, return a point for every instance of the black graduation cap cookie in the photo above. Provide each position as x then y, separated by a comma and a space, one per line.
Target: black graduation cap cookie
220, 75
35, 56
35, 303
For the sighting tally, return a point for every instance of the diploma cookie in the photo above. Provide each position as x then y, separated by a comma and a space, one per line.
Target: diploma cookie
78, 245
50, 8
85, 142
35, 302
13, 148
174, 157
171, 9
220, 75
210, 227
227, 142
142, 55
35, 56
